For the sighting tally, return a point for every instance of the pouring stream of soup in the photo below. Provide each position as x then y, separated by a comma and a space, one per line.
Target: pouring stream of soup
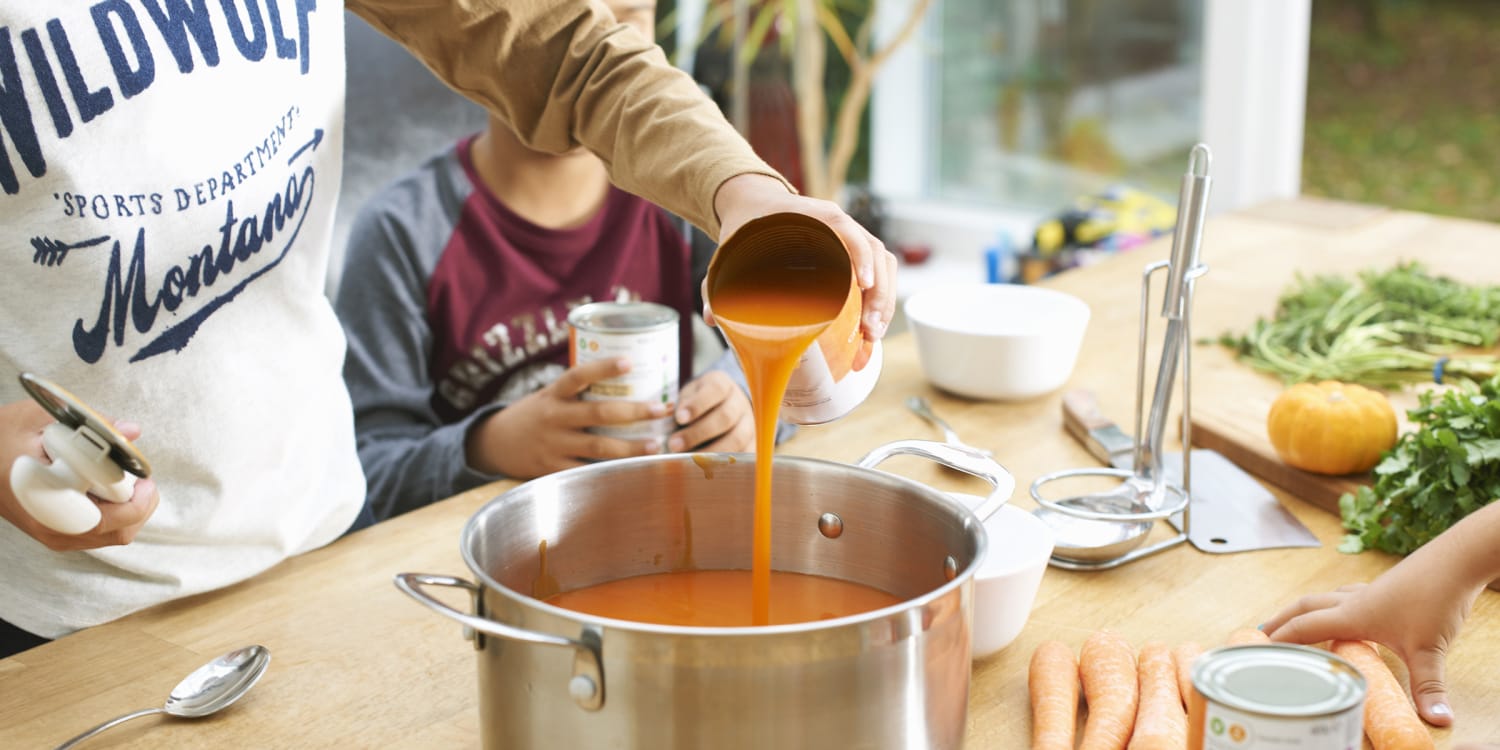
770, 322
770, 312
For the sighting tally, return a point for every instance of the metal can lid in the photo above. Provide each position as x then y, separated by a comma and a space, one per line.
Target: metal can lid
71, 412
622, 317
1279, 680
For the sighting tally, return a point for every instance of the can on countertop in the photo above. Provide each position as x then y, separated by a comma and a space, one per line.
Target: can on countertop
644, 333
1275, 695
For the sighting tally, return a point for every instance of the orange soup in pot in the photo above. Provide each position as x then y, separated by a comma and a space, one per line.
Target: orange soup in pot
721, 598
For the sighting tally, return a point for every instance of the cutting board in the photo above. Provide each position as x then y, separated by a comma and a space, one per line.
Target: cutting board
1242, 439
1236, 427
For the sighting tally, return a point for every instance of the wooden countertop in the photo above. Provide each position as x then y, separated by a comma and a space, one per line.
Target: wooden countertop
356, 664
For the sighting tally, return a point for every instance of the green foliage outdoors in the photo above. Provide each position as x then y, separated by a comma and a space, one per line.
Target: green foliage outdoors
775, 60
1403, 105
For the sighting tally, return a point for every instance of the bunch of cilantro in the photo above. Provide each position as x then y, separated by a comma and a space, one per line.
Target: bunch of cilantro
1435, 475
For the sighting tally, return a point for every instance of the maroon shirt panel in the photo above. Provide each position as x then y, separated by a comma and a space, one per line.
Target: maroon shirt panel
499, 296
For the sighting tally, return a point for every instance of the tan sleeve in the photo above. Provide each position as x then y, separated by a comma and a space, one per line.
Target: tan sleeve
563, 73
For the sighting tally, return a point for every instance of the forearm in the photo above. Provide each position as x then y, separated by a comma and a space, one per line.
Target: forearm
1470, 548
563, 74
479, 442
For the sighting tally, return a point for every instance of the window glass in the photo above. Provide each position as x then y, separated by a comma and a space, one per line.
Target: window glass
1037, 102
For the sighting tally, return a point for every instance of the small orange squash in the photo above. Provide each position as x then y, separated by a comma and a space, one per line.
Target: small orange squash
1331, 427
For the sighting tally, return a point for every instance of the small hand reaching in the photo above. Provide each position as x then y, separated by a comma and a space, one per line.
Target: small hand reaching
1415, 609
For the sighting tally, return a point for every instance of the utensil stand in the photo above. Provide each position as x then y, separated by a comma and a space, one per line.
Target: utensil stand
1145, 494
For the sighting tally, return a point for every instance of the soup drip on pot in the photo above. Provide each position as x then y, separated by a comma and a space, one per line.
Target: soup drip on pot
717, 598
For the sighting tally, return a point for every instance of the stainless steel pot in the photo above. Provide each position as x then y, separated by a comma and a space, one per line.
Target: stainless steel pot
892, 678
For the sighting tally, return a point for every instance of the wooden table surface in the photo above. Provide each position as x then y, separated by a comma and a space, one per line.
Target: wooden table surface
357, 664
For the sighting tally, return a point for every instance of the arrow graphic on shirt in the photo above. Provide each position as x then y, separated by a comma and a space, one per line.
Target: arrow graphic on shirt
312, 144
50, 252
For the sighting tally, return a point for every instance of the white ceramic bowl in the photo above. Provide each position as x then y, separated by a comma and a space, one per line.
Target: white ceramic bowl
997, 341
1010, 574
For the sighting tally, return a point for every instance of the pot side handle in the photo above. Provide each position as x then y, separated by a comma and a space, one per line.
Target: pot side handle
960, 457
586, 686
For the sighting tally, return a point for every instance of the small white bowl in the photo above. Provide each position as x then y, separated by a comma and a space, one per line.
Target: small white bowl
997, 341
1009, 575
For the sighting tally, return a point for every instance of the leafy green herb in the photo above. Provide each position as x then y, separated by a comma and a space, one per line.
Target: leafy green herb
1435, 475
1392, 328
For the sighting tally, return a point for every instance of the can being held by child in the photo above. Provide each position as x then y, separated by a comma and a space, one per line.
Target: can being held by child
644, 333
1275, 695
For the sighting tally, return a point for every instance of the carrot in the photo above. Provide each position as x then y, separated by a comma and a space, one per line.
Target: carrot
1054, 696
1247, 636
1160, 720
1111, 687
1390, 721
1183, 657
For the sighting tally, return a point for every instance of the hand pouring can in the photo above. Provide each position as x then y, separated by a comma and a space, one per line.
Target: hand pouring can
839, 369
1274, 695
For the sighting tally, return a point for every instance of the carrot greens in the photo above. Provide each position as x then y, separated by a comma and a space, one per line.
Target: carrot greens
1394, 327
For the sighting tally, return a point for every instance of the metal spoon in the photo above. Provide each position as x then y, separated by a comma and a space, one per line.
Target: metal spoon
919, 405
208, 689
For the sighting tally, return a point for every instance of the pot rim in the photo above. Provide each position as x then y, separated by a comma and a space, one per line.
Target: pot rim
971, 523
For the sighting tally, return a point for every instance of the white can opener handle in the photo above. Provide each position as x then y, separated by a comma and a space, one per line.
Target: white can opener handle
54, 494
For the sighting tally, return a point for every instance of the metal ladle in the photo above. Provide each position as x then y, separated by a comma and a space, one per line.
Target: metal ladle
1116, 521
208, 689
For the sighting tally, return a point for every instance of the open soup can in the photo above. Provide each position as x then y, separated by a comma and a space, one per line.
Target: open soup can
788, 266
1274, 695
644, 333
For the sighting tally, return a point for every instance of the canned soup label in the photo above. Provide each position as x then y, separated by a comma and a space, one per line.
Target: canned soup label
1227, 729
653, 366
